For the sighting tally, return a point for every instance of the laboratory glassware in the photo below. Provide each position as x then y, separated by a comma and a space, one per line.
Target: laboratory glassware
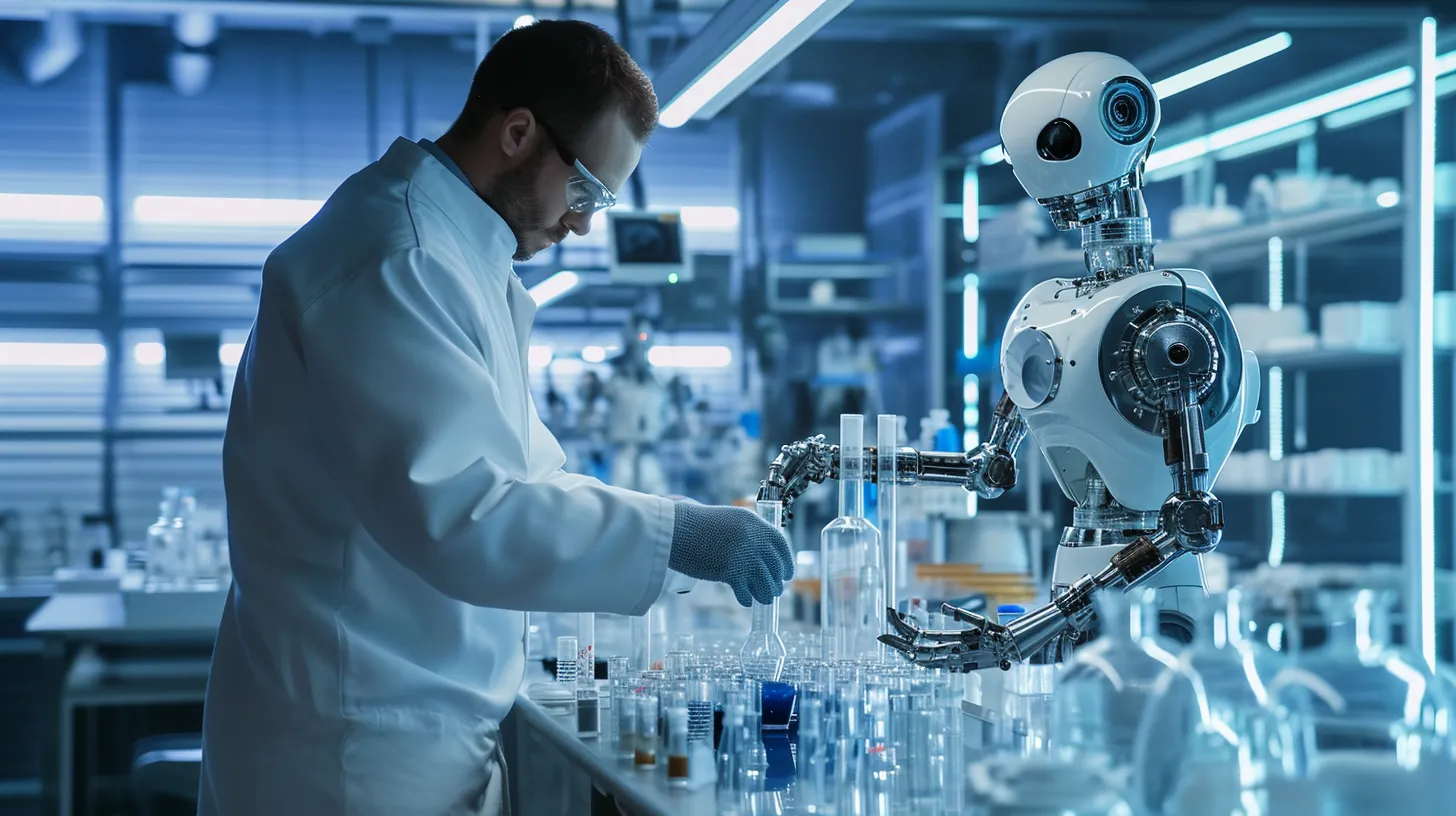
1200, 743
624, 709
1362, 724
185, 550
853, 578
813, 781
1109, 682
678, 753
647, 722
588, 707
1011, 785
162, 544
731, 747
763, 650
887, 498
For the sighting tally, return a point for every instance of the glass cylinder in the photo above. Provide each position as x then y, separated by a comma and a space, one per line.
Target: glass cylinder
731, 747
624, 710
678, 767
853, 578
646, 754
161, 559
763, 650
566, 659
886, 482
1111, 681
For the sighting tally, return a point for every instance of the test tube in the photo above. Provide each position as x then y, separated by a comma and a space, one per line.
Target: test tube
684, 643
642, 642
677, 747
566, 659
646, 754
625, 707
588, 708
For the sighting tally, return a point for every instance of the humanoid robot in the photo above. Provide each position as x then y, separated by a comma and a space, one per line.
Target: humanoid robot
1130, 379
638, 410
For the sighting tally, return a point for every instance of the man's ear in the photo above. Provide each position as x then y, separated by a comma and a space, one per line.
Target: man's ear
516, 130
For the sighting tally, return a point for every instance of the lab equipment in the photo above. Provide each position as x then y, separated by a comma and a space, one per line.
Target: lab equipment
853, 579
731, 747
887, 501
1363, 726
1130, 379
619, 694
162, 558
1107, 686
647, 724
588, 708
624, 710
1202, 730
678, 755
763, 650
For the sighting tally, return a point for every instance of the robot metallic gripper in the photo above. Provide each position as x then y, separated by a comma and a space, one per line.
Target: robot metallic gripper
1164, 385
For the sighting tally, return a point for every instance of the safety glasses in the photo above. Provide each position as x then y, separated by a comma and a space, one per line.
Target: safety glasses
585, 193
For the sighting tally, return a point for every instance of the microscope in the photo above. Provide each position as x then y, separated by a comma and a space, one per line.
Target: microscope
1129, 378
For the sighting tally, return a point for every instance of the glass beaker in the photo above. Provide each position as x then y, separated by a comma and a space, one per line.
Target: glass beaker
1104, 690
162, 543
852, 575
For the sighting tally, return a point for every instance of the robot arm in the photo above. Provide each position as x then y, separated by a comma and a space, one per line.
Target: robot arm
1191, 520
989, 470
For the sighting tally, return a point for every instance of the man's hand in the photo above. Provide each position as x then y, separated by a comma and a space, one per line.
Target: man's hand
733, 546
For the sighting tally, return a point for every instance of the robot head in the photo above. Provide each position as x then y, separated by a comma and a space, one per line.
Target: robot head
1078, 124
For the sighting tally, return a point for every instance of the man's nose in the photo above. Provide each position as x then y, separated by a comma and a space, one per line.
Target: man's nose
579, 223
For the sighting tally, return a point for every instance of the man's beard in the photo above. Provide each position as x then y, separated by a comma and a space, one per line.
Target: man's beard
513, 198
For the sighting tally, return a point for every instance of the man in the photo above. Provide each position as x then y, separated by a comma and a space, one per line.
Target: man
392, 494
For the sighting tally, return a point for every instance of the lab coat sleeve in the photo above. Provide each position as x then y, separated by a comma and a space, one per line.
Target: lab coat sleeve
415, 419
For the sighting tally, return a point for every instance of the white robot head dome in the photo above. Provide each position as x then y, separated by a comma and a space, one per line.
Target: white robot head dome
1079, 122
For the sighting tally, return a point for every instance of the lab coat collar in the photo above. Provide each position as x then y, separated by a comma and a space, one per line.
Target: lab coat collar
482, 226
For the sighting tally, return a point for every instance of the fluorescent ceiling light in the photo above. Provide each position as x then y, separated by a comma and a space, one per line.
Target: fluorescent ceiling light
971, 205
690, 356
538, 357
1388, 199
1390, 103
767, 41
154, 354
594, 354
716, 219
1425, 297
1322, 105
230, 354
52, 354
1226, 64
223, 212
567, 367
523, 21
31, 208
1197, 75
1278, 138
554, 287
149, 354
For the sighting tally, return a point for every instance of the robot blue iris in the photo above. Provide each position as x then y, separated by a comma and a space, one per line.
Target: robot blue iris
1130, 379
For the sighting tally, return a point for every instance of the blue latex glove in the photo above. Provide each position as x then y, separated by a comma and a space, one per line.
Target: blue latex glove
733, 546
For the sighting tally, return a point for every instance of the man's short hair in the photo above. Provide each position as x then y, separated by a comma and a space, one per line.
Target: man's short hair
568, 73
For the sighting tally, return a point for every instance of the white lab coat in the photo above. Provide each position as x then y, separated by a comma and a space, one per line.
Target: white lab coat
393, 500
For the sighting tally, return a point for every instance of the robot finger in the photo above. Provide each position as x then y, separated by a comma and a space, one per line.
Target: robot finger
966, 616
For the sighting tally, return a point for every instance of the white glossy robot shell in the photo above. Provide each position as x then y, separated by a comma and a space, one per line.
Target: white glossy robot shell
1079, 122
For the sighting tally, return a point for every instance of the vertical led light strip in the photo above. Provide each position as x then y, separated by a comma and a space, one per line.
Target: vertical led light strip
1276, 274
1276, 413
971, 316
1278, 528
1425, 347
971, 204
971, 420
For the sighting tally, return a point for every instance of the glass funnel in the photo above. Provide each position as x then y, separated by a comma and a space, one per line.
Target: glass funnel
1200, 743
1362, 724
853, 591
763, 651
1104, 690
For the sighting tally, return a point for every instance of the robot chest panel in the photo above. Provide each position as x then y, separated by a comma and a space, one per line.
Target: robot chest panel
1138, 344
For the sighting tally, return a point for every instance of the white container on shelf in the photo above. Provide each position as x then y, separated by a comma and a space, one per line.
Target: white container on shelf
1361, 324
1263, 328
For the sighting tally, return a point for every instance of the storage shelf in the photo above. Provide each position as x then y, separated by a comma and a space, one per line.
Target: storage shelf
1220, 249
1372, 492
1329, 357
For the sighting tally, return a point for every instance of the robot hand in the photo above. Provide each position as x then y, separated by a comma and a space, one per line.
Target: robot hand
797, 466
986, 643
992, 466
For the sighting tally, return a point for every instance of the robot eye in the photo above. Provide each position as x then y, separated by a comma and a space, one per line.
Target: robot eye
1127, 110
1059, 141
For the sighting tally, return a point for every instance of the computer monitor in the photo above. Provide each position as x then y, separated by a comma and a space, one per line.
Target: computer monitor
192, 357
647, 248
